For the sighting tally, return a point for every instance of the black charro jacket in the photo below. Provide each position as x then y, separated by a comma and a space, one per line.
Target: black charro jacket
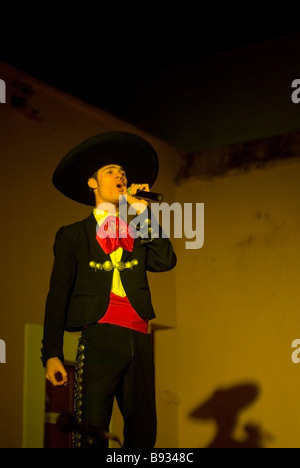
79, 295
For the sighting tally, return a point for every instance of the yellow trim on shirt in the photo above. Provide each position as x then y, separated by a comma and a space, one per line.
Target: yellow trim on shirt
116, 286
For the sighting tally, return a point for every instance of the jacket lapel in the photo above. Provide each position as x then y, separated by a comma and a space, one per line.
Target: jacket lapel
91, 225
126, 253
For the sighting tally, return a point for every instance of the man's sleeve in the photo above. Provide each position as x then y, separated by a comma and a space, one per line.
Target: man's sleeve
161, 256
61, 285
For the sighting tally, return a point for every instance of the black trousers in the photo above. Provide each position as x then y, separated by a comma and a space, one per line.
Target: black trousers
116, 362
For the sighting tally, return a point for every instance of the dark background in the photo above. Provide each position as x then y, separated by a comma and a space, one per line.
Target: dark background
111, 68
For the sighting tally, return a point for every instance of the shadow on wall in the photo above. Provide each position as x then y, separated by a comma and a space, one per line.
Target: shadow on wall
224, 407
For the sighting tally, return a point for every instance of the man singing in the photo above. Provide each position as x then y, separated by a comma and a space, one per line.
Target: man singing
99, 285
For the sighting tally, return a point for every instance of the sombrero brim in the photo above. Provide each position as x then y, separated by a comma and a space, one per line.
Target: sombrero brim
128, 150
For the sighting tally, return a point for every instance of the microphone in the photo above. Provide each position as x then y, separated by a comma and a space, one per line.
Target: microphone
143, 194
69, 423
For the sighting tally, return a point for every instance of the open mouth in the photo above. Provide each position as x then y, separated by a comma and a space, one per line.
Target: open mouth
120, 186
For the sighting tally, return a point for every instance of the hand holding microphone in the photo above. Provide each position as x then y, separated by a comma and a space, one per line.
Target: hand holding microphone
142, 192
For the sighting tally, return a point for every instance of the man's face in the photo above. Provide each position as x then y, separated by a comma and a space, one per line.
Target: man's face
111, 182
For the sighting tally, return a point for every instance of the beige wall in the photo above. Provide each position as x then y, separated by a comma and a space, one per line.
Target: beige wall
32, 211
238, 304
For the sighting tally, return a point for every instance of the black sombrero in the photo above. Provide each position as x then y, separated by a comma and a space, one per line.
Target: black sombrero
128, 150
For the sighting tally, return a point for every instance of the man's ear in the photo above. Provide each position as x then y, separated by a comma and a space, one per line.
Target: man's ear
92, 183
